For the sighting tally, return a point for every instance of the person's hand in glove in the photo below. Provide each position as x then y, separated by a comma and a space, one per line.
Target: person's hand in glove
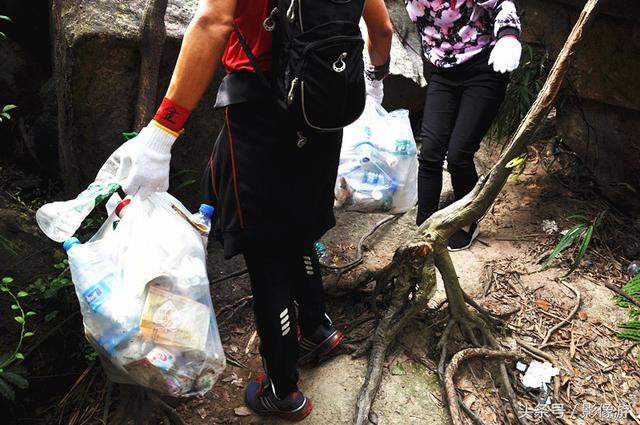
505, 55
144, 160
375, 90
373, 81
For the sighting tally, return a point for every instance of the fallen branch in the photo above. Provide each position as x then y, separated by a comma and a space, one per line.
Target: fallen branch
360, 248
623, 294
566, 319
230, 276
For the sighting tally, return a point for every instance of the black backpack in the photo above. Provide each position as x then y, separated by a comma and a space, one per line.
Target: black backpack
317, 67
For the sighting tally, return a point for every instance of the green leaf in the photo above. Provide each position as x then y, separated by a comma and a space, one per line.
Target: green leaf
28, 334
6, 115
583, 249
30, 313
19, 319
8, 108
398, 369
6, 391
50, 316
129, 135
5, 18
22, 294
16, 380
7, 280
4, 289
19, 356
15, 307
564, 243
517, 161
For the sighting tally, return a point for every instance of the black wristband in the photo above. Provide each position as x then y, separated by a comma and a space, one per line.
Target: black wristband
377, 72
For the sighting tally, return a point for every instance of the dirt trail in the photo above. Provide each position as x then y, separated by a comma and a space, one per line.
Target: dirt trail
511, 243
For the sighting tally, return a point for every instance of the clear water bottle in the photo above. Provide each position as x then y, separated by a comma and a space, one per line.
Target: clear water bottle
109, 315
634, 268
60, 220
203, 218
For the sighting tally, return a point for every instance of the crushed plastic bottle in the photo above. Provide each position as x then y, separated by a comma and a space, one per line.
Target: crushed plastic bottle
60, 220
320, 248
634, 268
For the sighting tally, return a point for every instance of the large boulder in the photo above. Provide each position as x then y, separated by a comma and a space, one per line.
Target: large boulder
97, 63
598, 117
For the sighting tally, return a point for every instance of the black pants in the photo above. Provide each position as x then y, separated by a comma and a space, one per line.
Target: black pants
461, 104
287, 291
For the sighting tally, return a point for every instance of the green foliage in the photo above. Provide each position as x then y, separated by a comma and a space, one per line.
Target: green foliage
11, 374
47, 287
630, 330
4, 113
631, 288
525, 83
581, 231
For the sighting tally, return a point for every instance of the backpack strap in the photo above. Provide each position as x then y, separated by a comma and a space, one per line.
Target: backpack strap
252, 59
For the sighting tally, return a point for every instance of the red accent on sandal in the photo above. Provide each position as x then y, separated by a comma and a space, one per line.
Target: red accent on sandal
172, 115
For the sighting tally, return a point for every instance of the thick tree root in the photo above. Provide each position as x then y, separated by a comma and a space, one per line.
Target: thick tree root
452, 368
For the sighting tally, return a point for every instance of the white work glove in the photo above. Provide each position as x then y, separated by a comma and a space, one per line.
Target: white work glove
144, 161
375, 90
505, 55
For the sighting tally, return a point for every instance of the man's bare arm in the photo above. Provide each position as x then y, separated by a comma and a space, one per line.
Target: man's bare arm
202, 47
380, 31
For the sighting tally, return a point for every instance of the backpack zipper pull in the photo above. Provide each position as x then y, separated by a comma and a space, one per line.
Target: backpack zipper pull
302, 140
339, 65
269, 23
291, 94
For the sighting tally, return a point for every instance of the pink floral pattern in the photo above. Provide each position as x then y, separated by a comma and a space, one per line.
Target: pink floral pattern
453, 31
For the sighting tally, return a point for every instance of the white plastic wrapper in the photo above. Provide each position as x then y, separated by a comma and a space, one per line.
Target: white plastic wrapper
378, 168
145, 301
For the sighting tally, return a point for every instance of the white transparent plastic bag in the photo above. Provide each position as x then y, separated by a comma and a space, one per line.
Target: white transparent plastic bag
378, 167
145, 301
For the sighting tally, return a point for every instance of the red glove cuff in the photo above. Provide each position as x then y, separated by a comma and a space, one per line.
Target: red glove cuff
171, 115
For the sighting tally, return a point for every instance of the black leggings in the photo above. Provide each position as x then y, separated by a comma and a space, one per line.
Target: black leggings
461, 104
285, 283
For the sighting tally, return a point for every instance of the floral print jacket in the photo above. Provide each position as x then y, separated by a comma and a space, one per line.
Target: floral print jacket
453, 31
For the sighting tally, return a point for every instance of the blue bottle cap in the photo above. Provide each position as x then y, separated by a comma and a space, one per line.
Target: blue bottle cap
71, 242
207, 210
393, 186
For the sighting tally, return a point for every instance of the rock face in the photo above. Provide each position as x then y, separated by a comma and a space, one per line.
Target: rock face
97, 65
600, 117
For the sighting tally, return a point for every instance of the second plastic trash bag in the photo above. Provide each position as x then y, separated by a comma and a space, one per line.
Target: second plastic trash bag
378, 167
145, 300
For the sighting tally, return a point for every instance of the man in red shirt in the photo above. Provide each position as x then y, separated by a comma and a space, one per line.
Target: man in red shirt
273, 195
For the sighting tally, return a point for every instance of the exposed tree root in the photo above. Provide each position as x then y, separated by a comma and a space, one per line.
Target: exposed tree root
410, 277
452, 368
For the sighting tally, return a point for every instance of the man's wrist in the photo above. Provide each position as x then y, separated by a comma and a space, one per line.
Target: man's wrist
171, 116
377, 72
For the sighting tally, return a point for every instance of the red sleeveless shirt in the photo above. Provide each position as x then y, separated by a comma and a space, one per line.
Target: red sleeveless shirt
249, 16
